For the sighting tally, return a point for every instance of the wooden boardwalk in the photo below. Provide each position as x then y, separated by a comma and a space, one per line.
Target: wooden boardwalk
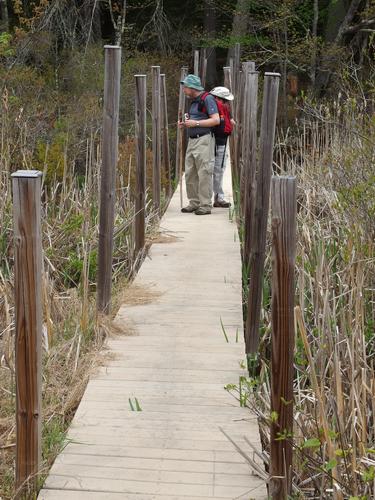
174, 366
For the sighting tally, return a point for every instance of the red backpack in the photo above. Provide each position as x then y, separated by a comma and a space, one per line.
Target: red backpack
225, 127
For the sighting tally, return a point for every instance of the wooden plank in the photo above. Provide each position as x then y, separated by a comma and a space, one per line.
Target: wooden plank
258, 236
156, 138
284, 215
181, 393
28, 326
140, 158
165, 134
108, 175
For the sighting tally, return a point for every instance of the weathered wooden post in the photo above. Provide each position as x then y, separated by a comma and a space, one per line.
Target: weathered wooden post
237, 153
284, 214
227, 77
203, 65
140, 158
259, 233
165, 134
196, 62
204, 72
243, 153
156, 137
108, 175
250, 163
28, 326
236, 66
232, 138
181, 108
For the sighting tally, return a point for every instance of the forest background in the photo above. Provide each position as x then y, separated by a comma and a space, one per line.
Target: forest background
51, 86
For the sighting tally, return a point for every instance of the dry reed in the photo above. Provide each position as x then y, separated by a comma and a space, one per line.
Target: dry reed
332, 155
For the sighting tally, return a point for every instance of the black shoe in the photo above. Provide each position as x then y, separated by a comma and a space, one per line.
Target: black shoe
222, 204
202, 211
189, 209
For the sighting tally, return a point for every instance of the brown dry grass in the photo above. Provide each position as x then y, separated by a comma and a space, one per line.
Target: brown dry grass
334, 453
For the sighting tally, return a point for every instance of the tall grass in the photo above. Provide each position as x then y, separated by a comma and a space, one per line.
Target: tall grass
71, 337
331, 151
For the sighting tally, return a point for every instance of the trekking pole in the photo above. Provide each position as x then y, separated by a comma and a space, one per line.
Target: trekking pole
225, 150
181, 156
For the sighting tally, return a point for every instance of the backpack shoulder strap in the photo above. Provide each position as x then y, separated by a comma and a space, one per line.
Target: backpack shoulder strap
201, 106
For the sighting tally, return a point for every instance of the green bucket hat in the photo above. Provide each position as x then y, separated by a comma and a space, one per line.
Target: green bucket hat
193, 82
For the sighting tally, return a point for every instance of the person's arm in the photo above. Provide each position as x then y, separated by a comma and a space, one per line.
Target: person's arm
212, 121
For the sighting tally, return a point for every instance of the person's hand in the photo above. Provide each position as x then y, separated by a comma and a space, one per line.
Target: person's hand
190, 123
181, 124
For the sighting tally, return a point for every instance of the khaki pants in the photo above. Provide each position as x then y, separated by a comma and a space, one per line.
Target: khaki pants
199, 168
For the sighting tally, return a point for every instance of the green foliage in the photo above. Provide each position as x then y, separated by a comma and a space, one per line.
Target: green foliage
6, 49
54, 432
311, 443
73, 268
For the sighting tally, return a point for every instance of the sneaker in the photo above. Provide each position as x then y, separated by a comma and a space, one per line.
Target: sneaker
202, 211
189, 209
222, 204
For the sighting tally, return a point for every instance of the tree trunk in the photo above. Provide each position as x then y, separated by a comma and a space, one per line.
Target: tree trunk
210, 30
339, 18
4, 17
240, 25
314, 41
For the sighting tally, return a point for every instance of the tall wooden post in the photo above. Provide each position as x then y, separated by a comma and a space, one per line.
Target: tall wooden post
250, 163
181, 108
140, 158
156, 137
284, 214
243, 154
108, 175
232, 138
238, 143
196, 62
28, 325
258, 237
204, 72
241, 119
227, 77
236, 65
165, 134
203, 58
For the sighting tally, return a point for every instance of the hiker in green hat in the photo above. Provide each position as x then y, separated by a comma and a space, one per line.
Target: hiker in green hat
200, 152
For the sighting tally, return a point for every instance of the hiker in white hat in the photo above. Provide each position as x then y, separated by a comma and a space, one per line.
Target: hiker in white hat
223, 97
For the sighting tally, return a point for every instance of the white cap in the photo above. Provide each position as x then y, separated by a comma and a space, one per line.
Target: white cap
223, 93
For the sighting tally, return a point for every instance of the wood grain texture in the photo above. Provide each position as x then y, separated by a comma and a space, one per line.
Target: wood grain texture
140, 159
284, 215
196, 62
181, 108
156, 137
108, 175
28, 327
250, 161
243, 149
259, 228
166, 159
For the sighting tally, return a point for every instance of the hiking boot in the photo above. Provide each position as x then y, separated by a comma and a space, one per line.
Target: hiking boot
189, 209
221, 203
202, 211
